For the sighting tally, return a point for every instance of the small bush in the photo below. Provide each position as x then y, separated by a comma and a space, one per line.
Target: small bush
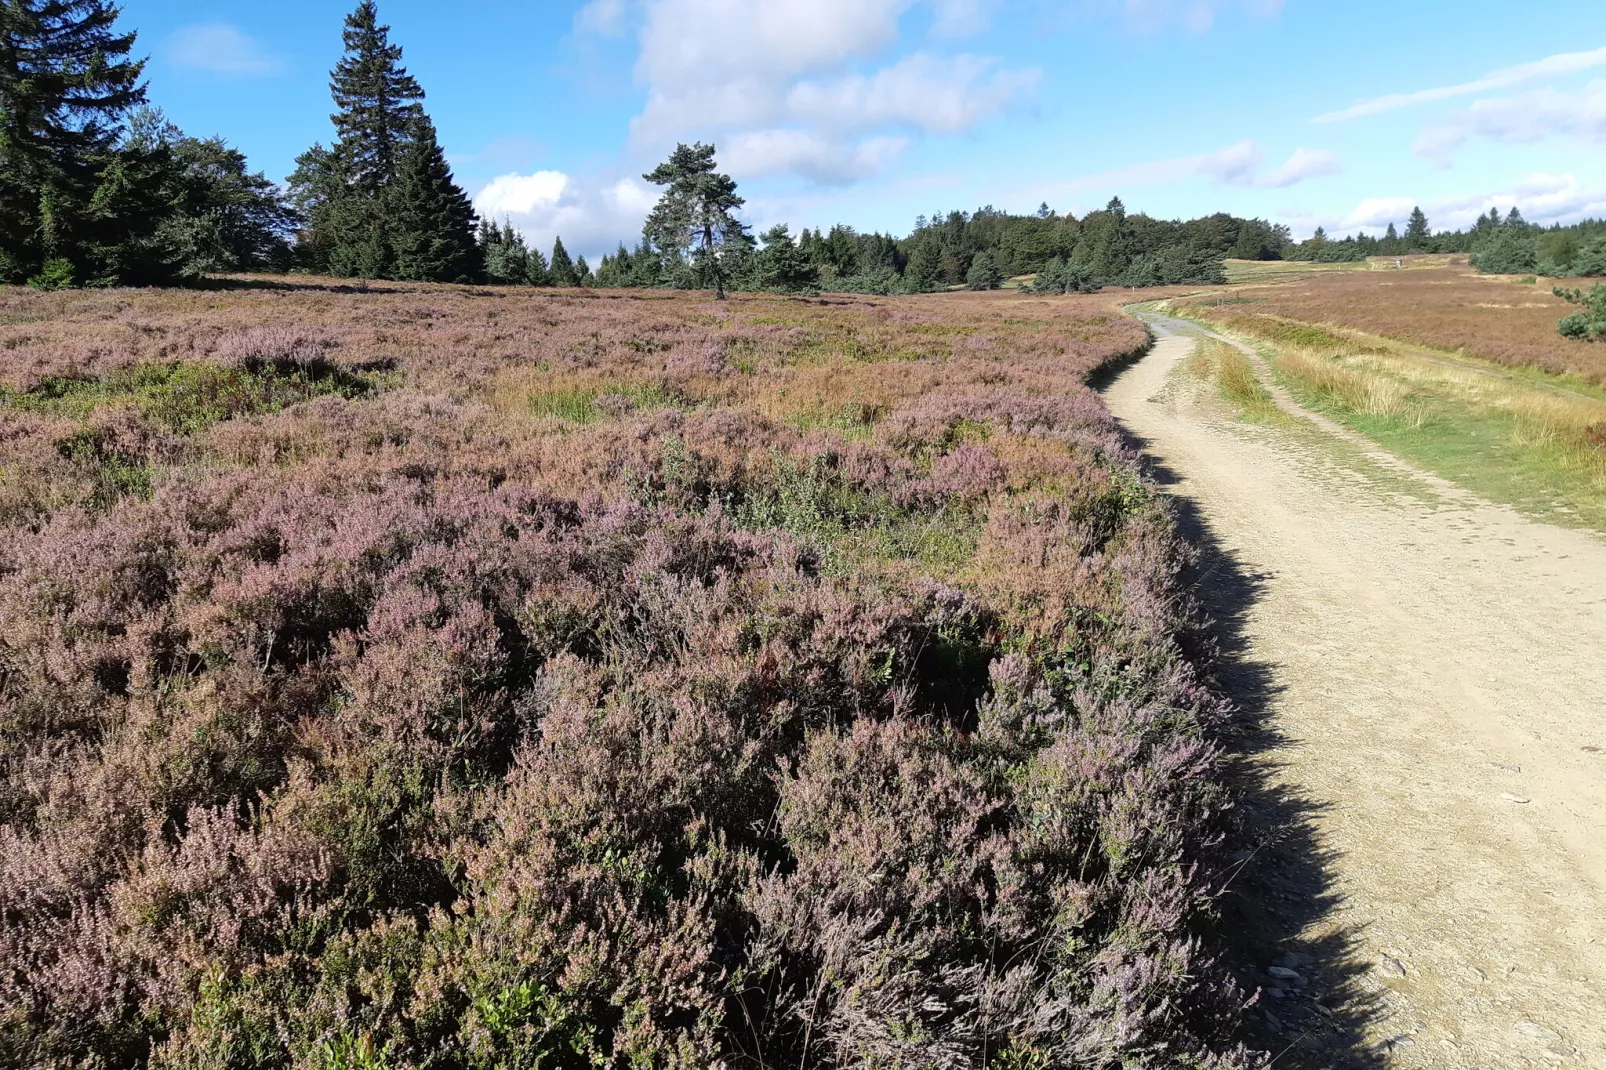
1588, 324
55, 274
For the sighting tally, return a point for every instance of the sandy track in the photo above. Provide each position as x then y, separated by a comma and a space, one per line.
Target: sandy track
1430, 670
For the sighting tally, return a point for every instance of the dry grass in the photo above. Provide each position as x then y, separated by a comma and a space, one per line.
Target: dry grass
1444, 307
1515, 437
1229, 369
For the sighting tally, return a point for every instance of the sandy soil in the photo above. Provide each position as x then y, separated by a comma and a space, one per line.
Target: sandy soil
1426, 783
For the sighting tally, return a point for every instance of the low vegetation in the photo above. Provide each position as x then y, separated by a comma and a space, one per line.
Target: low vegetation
1234, 377
1524, 439
1443, 308
1588, 324
456, 678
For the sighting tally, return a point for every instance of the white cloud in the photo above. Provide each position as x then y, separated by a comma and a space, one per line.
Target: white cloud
817, 89
221, 49
589, 216
1304, 163
1543, 198
1235, 165
1518, 120
521, 194
925, 92
1505, 78
601, 16
827, 161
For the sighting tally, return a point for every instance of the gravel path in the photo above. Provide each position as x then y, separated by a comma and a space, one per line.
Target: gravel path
1429, 772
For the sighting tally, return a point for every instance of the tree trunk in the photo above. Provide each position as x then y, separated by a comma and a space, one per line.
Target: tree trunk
713, 263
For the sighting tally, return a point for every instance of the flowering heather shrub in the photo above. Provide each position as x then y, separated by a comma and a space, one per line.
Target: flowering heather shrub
809, 691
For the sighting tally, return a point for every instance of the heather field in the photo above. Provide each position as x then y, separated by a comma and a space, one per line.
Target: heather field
427, 676
1449, 307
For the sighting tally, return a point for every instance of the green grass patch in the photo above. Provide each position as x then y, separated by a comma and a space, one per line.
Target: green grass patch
853, 526
1482, 450
188, 398
591, 405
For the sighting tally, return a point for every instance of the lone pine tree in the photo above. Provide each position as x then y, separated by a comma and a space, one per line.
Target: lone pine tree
1417, 233
695, 217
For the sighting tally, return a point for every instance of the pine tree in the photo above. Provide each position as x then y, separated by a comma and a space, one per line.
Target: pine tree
1417, 234
562, 270
582, 271
695, 215
378, 101
1514, 218
431, 221
66, 81
783, 266
503, 256
343, 190
924, 265
536, 271
1116, 246
984, 273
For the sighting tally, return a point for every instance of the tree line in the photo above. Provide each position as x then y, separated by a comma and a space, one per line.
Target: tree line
98, 188
1502, 245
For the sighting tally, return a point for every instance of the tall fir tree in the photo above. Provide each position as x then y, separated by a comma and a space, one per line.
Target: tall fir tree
1417, 234
378, 102
430, 219
366, 218
66, 81
562, 272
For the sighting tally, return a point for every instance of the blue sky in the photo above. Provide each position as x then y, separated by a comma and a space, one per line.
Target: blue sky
871, 112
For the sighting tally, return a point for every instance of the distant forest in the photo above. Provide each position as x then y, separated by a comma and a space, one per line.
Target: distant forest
1504, 245
98, 188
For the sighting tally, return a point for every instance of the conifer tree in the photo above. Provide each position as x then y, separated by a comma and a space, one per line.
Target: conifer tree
536, 271
696, 214
782, 264
582, 271
1417, 234
66, 80
431, 220
562, 271
984, 273
346, 191
378, 101
503, 255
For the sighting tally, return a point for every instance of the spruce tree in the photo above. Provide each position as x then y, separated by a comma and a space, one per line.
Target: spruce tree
378, 101
345, 190
1417, 234
536, 272
431, 221
503, 255
582, 271
1116, 246
562, 271
66, 80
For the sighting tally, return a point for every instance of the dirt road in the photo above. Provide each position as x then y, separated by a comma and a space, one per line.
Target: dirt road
1430, 670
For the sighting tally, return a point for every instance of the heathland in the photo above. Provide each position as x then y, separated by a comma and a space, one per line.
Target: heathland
1462, 374
466, 678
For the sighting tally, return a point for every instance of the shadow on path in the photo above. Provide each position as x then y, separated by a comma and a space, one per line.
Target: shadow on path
1279, 907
